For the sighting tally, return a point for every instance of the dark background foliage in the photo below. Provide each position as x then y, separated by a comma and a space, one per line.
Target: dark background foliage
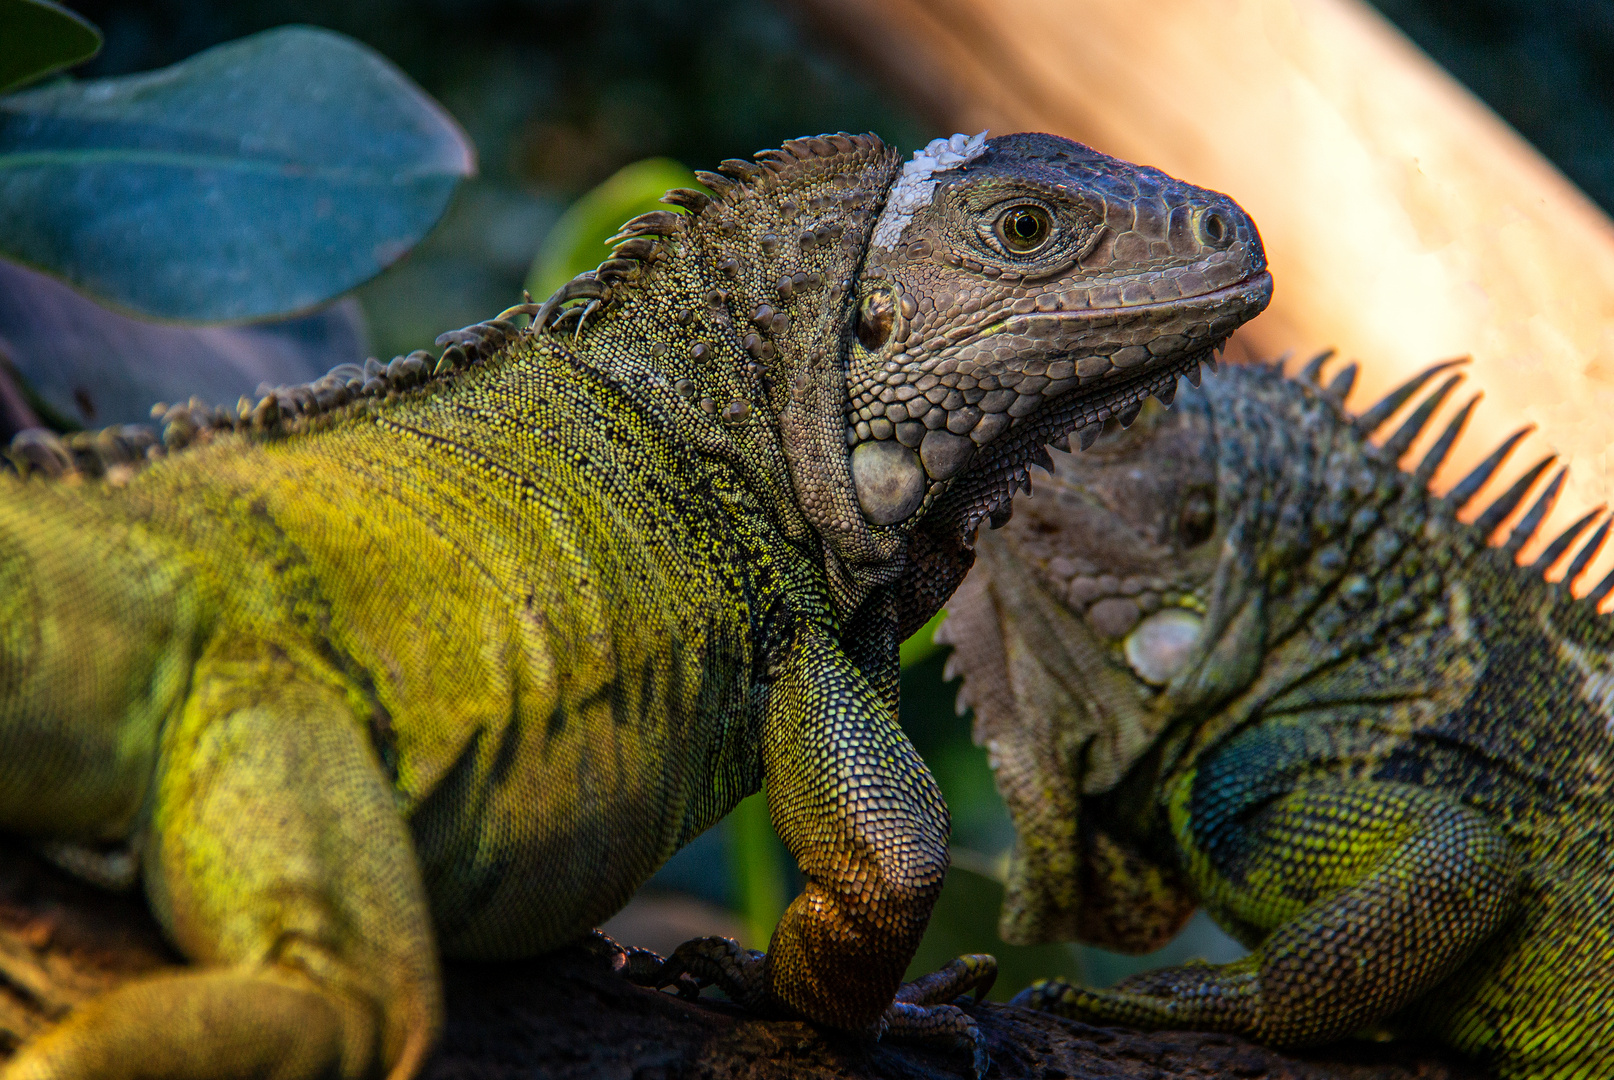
559, 94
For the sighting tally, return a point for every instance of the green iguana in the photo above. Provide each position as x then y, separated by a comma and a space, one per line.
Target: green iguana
452, 653
1235, 657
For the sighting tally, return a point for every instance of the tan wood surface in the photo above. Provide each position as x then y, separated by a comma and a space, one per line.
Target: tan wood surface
1405, 222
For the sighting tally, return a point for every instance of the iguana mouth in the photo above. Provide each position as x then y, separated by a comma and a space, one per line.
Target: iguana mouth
996, 467
1003, 467
1260, 281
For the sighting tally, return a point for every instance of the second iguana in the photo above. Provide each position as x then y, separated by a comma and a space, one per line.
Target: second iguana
1236, 657
451, 653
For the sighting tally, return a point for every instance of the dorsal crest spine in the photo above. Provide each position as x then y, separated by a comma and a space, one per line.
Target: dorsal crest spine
1371, 420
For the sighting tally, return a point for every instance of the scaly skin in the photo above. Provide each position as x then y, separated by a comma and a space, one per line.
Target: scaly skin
1235, 657
454, 654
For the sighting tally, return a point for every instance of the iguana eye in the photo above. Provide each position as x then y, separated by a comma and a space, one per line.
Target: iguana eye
1024, 229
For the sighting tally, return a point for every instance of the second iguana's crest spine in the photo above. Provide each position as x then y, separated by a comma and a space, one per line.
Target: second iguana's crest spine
1463, 493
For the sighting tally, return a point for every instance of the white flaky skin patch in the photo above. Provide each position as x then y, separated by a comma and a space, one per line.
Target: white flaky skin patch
914, 188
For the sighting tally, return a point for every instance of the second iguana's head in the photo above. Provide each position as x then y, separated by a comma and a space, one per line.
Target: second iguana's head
1257, 535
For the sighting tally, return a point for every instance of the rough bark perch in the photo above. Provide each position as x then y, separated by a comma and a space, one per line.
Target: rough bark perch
568, 1017
1405, 222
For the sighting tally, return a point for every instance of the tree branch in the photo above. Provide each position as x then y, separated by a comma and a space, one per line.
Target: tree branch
567, 1016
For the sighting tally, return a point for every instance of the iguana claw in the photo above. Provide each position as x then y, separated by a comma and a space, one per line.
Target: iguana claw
924, 1009
1047, 995
642, 967
724, 963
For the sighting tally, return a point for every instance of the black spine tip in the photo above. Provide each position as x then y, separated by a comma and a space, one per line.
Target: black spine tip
1312, 372
1375, 417
1564, 540
1584, 557
1531, 521
1470, 485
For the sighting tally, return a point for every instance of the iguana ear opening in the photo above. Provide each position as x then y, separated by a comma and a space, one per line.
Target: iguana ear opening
876, 317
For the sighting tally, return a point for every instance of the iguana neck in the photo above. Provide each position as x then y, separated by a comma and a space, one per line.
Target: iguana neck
732, 322
1336, 569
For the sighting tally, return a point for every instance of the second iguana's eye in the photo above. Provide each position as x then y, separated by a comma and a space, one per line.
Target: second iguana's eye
1024, 229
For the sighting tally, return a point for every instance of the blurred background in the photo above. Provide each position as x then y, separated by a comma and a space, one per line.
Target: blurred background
560, 96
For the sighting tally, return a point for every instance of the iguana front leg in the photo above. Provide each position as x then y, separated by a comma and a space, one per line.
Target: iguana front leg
856, 806
278, 860
1372, 892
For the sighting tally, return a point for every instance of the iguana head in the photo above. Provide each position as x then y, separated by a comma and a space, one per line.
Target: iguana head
1195, 546
913, 333
1015, 290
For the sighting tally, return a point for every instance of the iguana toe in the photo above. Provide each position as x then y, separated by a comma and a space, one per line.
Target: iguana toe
1049, 995
639, 966
924, 1009
943, 1025
974, 972
724, 963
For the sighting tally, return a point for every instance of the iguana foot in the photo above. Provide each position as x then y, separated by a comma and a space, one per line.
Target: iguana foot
642, 967
1150, 999
1053, 995
722, 962
924, 1009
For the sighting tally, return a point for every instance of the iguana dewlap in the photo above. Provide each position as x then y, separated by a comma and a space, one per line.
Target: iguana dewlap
452, 653
1234, 657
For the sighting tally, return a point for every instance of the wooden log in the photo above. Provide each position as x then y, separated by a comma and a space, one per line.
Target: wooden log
1406, 223
567, 1016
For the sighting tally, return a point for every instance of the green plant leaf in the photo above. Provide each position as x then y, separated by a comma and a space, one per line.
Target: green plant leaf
577, 241
757, 861
41, 37
258, 178
921, 643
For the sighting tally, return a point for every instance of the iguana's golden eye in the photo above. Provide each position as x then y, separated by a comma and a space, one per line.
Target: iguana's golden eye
1024, 229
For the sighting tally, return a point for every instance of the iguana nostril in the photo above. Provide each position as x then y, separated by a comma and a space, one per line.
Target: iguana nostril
1214, 228
875, 318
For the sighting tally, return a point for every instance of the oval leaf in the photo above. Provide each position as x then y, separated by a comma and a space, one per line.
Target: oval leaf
41, 37
254, 179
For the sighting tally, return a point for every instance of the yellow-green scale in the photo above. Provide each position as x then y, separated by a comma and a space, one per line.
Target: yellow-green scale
538, 605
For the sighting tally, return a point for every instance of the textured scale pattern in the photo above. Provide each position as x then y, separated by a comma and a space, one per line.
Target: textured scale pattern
450, 654
1235, 657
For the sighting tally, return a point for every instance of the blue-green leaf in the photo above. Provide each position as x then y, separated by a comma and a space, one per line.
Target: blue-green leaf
257, 178
38, 37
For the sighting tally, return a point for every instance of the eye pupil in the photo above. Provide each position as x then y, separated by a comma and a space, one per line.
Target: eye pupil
1024, 229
